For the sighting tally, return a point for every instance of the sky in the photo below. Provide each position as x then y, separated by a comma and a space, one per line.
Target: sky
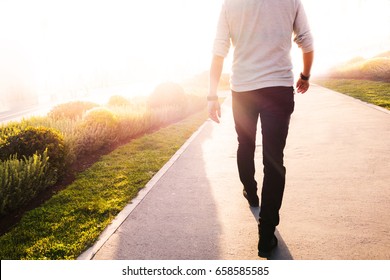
344, 29
65, 45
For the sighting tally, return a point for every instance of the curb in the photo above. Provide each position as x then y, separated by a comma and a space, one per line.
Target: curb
373, 106
122, 216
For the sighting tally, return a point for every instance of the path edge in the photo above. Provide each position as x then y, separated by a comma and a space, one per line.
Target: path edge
89, 253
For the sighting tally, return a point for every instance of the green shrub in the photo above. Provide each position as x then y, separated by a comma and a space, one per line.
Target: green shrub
22, 179
65, 126
100, 116
98, 129
133, 122
5, 132
26, 142
117, 100
71, 110
167, 94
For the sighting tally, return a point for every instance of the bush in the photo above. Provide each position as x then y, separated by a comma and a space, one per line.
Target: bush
100, 116
375, 69
9, 130
133, 122
98, 129
167, 94
22, 179
24, 143
117, 100
71, 110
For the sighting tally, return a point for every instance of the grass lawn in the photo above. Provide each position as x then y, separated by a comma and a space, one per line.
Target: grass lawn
377, 93
71, 221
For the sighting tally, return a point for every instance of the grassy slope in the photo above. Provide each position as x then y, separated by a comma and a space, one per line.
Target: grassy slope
365, 79
72, 220
377, 93
374, 69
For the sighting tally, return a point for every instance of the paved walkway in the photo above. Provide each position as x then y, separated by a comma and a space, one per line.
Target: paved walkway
336, 203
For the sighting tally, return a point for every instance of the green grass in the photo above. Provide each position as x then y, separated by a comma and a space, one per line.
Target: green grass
72, 220
377, 93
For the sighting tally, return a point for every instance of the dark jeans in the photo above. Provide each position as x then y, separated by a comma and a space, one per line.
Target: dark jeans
275, 106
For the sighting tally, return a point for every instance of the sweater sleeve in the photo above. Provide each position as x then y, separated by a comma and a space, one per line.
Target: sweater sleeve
222, 38
303, 37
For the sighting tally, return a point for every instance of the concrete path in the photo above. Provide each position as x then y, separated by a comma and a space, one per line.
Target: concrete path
336, 203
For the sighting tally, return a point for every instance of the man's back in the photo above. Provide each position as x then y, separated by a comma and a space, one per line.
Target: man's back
260, 32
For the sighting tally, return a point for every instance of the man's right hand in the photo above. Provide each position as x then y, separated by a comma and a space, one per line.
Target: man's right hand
214, 110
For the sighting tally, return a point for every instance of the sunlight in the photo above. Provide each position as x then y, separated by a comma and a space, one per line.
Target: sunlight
344, 29
64, 49
54, 46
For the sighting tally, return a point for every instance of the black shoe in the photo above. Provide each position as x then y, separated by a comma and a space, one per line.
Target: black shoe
253, 202
265, 248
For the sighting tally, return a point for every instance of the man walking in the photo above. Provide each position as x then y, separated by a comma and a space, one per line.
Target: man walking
261, 32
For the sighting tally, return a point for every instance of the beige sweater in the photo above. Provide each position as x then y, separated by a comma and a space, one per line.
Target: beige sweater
260, 32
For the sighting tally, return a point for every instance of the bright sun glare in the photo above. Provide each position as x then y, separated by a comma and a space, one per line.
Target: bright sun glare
344, 29
55, 47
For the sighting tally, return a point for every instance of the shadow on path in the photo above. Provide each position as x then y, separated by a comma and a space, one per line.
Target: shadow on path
281, 252
177, 219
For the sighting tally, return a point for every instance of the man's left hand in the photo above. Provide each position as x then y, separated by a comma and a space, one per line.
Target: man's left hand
302, 86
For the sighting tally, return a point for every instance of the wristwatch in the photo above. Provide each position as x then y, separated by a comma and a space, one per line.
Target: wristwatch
305, 78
